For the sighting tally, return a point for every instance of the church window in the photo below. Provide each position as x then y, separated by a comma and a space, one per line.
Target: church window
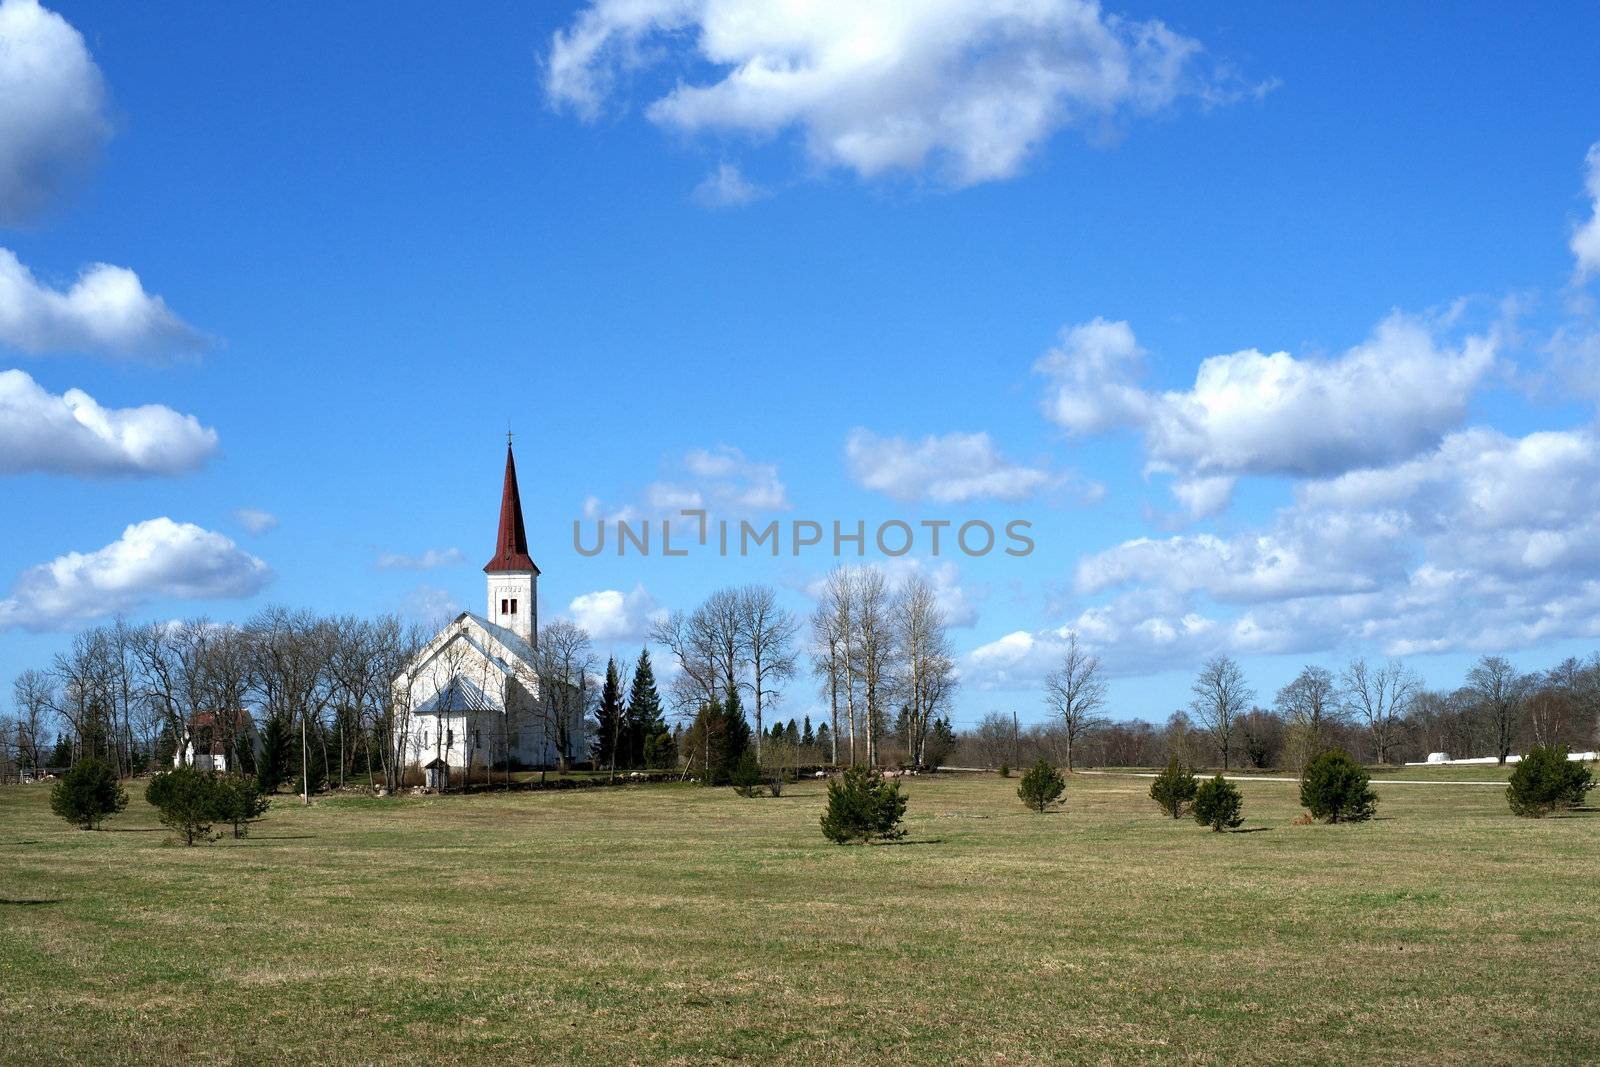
449, 738
513, 606
504, 606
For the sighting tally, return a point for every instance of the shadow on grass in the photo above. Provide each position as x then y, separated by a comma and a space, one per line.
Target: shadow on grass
135, 829
279, 837
1253, 830
25, 902
916, 841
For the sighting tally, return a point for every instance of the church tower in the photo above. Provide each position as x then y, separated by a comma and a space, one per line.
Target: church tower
513, 579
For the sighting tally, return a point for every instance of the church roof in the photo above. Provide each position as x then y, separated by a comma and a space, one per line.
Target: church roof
511, 543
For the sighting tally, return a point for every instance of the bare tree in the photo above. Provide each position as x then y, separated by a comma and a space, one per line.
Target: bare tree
767, 634
839, 601
1312, 706
1076, 691
1220, 697
874, 650
924, 674
33, 696
827, 662
565, 661
1380, 698
692, 646
1500, 691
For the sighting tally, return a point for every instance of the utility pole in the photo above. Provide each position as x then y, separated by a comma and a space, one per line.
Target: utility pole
305, 778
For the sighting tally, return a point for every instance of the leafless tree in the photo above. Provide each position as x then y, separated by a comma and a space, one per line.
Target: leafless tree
693, 647
839, 600
1076, 691
767, 634
33, 696
874, 649
1500, 691
924, 672
1379, 698
1221, 695
565, 662
827, 663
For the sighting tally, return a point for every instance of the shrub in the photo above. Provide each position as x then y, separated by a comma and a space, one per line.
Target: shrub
1334, 787
863, 807
1005, 770
746, 775
775, 785
88, 793
238, 802
1217, 804
1174, 788
1041, 785
1545, 780
186, 802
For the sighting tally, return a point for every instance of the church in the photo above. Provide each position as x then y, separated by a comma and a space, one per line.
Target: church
472, 697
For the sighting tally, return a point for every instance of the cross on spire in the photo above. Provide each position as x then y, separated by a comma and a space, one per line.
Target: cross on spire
511, 540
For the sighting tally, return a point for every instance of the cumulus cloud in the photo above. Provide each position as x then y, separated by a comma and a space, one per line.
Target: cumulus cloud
1586, 238
877, 86
157, 558
432, 559
727, 187
256, 520
721, 481
612, 615
1391, 397
1488, 542
106, 311
73, 434
948, 469
52, 109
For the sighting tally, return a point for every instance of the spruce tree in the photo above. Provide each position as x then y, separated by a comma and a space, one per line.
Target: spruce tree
1174, 788
187, 801
824, 741
746, 776
1334, 787
609, 732
1041, 786
863, 807
806, 736
1218, 804
735, 736
88, 793
791, 733
238, 802
272, 769
1545, 780
645, 718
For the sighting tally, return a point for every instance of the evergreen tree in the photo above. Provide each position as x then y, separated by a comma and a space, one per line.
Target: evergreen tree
1545, 780
938, 743
186, 800
610, 735
88, 793
735, 736
863, 807
645, 717
746, 776
791, 733
61, 755
1334, 787
661, 751
1174, 788
1041, 786
272, 769
703, 744
806, 736
1218, 804
238, 802
824, 741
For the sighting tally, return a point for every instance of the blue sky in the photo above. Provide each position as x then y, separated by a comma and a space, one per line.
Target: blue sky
697, 254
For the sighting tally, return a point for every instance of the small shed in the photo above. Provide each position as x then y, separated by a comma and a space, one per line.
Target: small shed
1438, 757
436, 773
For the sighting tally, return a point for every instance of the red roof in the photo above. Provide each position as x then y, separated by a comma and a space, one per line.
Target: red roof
511, 544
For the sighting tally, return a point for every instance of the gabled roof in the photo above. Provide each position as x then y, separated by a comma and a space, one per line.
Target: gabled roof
511, 542
502, 650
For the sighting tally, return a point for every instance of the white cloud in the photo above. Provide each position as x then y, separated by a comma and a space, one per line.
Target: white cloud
727, 187
1205, 496
1586, 238
1390, 397
883, 85
612, 615
1486, 543
256, 520
954, 468
106, 311
52, 120
722, 481
432, 559
157, 558
73, 434
430, 605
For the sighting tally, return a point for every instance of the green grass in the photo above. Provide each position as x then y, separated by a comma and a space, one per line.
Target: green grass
677, 924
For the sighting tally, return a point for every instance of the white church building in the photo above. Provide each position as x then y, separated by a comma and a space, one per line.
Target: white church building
472, 696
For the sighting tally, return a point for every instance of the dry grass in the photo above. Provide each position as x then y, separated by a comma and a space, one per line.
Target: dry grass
681, 925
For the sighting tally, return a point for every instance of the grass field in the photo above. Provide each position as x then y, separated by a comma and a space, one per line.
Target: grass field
683, 925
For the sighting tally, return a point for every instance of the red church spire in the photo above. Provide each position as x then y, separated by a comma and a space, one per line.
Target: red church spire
511, 544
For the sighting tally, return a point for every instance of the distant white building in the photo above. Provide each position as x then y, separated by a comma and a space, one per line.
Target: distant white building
472, 697
208, 737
